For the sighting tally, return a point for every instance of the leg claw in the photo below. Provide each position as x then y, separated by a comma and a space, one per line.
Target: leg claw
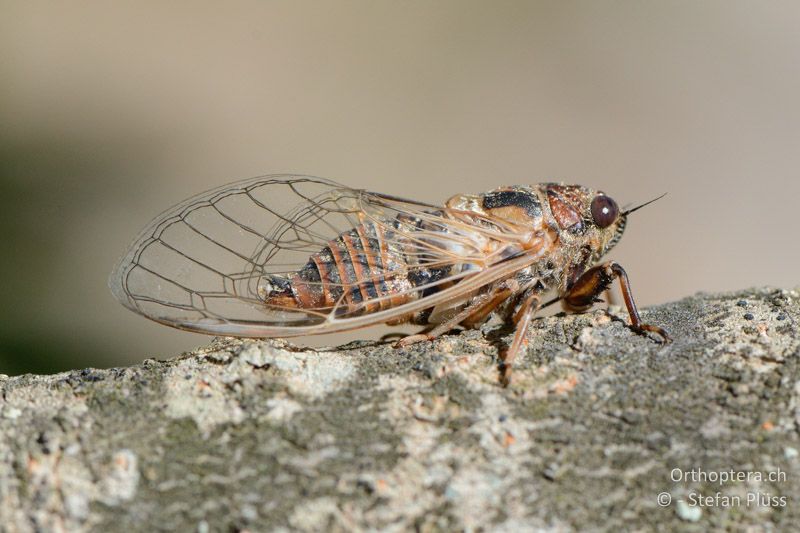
661, 332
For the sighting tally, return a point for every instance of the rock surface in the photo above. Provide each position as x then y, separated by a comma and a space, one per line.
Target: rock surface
599, 427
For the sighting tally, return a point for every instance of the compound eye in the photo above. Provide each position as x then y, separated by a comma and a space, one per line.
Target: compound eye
604, 211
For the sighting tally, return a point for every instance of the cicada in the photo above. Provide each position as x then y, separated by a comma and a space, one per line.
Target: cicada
281, 256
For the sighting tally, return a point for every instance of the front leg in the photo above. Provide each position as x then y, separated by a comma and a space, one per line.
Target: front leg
583, 293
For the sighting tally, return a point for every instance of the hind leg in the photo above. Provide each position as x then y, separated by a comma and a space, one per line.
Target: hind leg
477, 310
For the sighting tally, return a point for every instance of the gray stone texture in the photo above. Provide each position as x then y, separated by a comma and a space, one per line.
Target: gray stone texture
264, 435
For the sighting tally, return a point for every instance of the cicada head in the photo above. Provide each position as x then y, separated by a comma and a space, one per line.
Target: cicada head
586, 218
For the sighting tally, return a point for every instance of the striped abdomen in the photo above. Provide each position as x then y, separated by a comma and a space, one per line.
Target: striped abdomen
359, 268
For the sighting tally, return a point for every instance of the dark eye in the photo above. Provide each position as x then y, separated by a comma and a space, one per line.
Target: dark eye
604, 211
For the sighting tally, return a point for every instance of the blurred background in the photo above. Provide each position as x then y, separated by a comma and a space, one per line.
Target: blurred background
111, 112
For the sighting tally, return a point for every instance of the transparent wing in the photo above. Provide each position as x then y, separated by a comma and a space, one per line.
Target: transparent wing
203, 264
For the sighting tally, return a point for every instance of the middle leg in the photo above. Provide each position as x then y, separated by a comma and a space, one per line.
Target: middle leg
530, 303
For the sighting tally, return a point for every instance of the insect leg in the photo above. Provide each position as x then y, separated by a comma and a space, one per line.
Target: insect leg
479, 315
594, 281
522, 320
483, 303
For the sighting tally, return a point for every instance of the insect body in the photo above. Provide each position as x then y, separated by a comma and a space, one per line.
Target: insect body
284, 256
